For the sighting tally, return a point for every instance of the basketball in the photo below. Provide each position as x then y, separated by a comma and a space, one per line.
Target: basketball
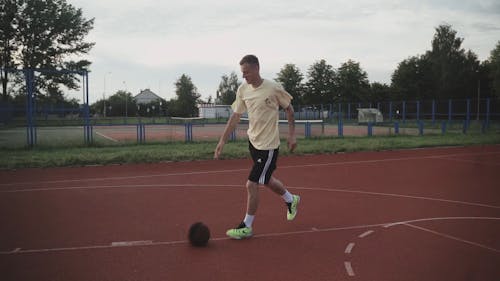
199, 234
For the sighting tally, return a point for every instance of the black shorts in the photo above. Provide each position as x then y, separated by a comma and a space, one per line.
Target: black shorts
264, 164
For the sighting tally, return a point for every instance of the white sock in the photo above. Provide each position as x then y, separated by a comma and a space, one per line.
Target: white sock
248, 220
287, 197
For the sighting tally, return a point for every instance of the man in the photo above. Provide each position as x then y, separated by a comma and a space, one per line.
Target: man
261, 99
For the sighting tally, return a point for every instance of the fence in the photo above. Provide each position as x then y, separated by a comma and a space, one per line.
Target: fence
13, 116
27, 123
451, 109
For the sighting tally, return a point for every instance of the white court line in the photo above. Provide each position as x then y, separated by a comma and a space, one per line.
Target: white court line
452, 237
153, 243
396, 195
439, 219
123, 186
363, 235
348, 268
345, 190
246, 169
470, 161
264, 235
349, 248
106, 137
131, 243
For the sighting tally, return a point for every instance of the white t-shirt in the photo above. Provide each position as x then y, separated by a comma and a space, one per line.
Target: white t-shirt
262, 105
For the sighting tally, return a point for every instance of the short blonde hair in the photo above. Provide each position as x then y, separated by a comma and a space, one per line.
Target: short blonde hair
250, 59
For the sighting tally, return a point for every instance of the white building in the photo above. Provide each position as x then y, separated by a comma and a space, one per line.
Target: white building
146, 96
211, 111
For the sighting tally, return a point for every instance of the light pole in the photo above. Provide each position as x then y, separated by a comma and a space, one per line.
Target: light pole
478, 93
126, 99
478, 96
104, 95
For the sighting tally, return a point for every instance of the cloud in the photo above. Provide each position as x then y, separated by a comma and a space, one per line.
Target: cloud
150, 43
485, 27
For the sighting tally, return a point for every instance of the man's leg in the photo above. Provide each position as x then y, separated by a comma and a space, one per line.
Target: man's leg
244, 230
276, 186
291, 200
253, 197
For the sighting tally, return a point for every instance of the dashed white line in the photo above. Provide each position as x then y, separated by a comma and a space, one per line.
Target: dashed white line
348, 268
363, 235
349, 248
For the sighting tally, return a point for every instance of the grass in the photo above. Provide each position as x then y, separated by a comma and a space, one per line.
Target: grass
42, 157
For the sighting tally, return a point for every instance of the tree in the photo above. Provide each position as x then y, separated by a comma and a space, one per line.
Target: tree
352, 83
45, 35
494, 67
320, 87
226, 94
452, 68
413, 79
291, 78
8, 26
446, 71
380, 92
121, 104
187, 98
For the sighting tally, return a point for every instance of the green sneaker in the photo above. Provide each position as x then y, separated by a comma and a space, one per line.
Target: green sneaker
240, 232
292, 208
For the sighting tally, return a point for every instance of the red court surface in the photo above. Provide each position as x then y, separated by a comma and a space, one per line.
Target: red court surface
425, 214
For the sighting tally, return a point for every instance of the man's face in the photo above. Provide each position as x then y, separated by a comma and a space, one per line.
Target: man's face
250, 73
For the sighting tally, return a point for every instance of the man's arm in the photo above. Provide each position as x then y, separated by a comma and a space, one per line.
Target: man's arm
292, 142
230, 126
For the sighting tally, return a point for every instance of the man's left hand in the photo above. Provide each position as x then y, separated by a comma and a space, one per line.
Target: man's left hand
292, 143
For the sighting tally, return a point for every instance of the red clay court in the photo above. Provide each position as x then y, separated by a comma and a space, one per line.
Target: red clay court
425, 214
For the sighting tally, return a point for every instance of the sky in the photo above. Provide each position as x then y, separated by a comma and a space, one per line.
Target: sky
149, 44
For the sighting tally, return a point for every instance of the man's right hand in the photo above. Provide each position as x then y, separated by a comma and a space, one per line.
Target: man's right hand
218, 150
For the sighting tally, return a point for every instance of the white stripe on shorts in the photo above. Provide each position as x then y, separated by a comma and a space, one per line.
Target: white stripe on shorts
262, 178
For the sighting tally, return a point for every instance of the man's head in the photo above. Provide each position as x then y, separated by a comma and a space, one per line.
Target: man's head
250, 68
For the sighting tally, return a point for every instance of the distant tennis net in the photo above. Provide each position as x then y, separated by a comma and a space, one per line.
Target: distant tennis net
306, 128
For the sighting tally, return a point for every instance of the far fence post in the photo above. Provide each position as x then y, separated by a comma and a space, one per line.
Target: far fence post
404, 112
307, 132
390, 111
487, 112
467, 118
340, 128
89, 129
433, 112
30, 104
449, 110
339, 115
418, 110
188, 128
